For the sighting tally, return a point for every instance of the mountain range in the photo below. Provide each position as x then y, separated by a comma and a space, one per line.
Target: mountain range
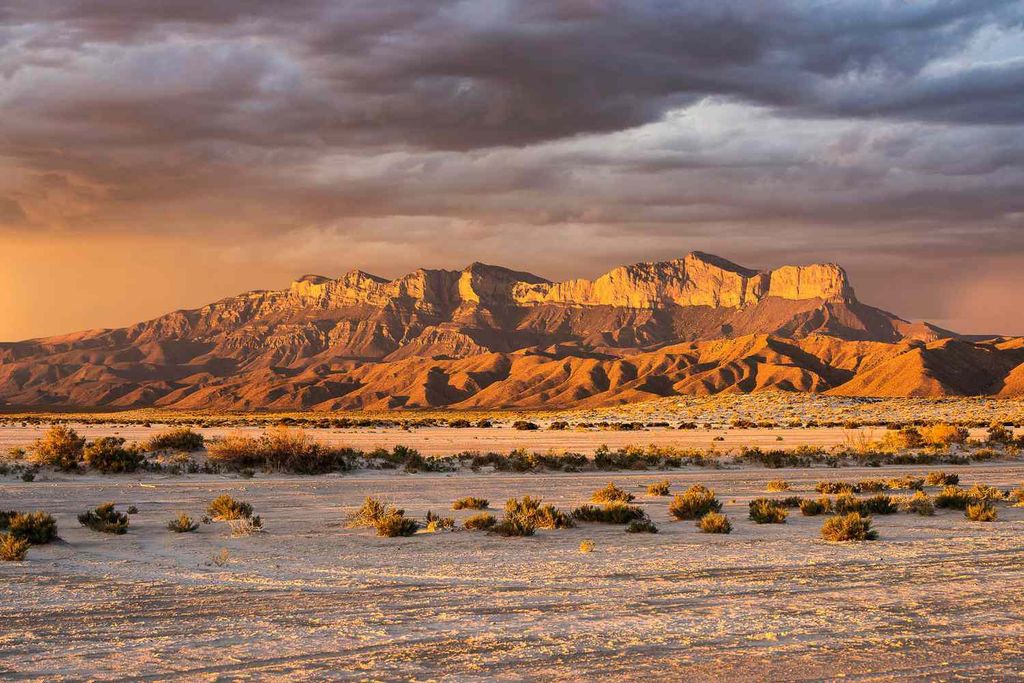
490, 337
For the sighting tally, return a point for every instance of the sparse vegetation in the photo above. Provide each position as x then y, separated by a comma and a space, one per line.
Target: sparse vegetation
587, 546
480, 522
641, 526
694, 503
394, 523
609, 513
437, 523
182, 524
176, 439
848, 527
766, 511
61, 447
940, 478
777, 485
918, 504
225, 508
881, 504
714, 523
109, 455
810, 507
105, 519
658, 488
611, 494
981, 511
520, 517
12, 548
37, 528
279, 450
245, 526
834, 487
470, 503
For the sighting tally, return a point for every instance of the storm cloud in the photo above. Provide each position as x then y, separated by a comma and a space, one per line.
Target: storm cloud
562, 137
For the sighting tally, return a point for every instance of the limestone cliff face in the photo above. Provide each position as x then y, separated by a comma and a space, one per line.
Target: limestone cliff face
695, 280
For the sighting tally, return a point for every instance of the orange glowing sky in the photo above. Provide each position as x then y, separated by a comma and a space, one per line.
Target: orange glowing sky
162, 155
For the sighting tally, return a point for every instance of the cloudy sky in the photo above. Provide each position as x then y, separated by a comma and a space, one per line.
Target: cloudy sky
159, 154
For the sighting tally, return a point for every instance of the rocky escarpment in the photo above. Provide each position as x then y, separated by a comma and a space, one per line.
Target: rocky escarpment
323, 338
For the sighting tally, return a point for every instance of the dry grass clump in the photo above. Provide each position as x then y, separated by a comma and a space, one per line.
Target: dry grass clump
658, 488
906, 482
586, 546
1016, 497
943, 434
470, 503
849, 527
369, 513
940, 478
245, 526
519, 518
105, 519
918, 504
777, 485
766, 511
279, 450
714, 523
834, 487
12, 548
176, 439
480, 522
60, 447
985, 493
110, 456
387, 520
609, 513
872, 485
810, 507
641, 526
982, 511
225, 509
952, 498
37, 528
611, 494
881, 504
395, 523
845, 503
437, 523
182, 524
694, 503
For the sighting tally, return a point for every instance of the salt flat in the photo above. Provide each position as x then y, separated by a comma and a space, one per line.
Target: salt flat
935, 598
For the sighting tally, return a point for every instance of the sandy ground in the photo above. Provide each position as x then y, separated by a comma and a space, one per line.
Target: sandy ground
446, 441
935, 598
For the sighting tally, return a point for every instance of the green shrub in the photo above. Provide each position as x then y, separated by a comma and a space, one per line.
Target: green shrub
765, 511
12, 548
919, 504
109, 455
714, 523
981, 511
177, 439
848, 527
38, 528
694, 503
879, 505
658, 488
939, 478
105, 519
395, 523
60, 447
182, 524
225, 508
609, 513
480, 522
811, 508
611, 494
641, 526
470, 503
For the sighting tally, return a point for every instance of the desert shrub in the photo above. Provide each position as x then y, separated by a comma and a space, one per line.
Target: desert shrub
369, 513
811, 508
952, 498
288, 450
788, 501
609, 513
918, 504
38, 528
998, 433
694, 503
5, 518
586, 546
939, 478
871, 485
714, 523
480, 522
12, 548
177, 439
60, 447
658, 488
879, 505
524, 425
28, 475
470, 503
132, 510
776, 485
550, 517
245, 526
641, 526
906, 482
765, 511
395, 523
611, 494
105, 519
982, 511
1016, 497
845, 503
849, 527
182, 524
519, 518
109, 455
438, 523
905, 438
834, 487
236, 451
985, 493
225, 508
943, 434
